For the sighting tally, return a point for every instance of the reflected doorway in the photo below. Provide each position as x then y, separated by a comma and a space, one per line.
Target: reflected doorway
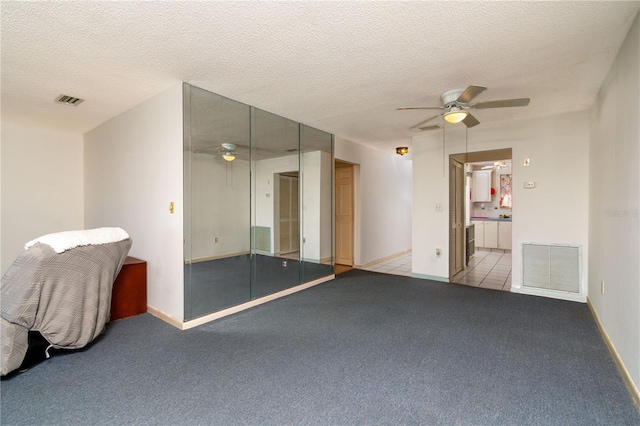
344, 215
456, 217
287, 215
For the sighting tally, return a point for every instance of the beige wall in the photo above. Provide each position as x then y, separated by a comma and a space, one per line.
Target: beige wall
555, 212
383, 201
133, 170
614, 228
42, 185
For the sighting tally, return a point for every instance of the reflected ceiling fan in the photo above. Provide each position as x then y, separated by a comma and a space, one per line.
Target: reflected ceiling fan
228, 151
456, 106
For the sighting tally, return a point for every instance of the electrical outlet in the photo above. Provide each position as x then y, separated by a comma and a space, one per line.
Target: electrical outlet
438, 252
602, 286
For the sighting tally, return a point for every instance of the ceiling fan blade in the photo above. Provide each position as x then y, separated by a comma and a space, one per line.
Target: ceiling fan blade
419, 107
427, 128
470, 121
470, 93
503, 103
420, 124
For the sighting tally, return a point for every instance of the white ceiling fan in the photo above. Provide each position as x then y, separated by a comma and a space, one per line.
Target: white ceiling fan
496, 165
456, 106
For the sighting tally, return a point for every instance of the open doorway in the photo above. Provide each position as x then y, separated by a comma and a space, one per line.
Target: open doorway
487, 223
344, 216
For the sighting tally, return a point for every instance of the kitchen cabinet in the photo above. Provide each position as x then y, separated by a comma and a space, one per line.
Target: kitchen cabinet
479, 232
481, 186
504, 235
492, 234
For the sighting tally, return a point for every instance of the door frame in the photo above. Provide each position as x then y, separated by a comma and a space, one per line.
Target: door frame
474, 157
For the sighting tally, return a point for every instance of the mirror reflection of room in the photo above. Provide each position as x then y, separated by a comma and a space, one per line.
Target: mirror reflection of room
258, 191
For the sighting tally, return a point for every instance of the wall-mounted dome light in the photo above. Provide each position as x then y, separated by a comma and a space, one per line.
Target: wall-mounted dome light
402, 150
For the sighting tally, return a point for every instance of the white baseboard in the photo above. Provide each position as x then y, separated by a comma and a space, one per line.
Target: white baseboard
626, 377
430, 277
384, 259
216, 257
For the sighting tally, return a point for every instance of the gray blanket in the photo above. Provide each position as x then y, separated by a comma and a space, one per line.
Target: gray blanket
65, 296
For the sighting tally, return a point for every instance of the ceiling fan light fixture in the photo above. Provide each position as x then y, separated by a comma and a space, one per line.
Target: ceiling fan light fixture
229, 153
455, 115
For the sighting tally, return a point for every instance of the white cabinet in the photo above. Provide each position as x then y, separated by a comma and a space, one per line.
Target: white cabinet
481, 186
491, 234
504, 235
478, 230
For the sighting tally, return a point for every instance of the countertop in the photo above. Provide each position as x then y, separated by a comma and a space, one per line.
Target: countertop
499, 219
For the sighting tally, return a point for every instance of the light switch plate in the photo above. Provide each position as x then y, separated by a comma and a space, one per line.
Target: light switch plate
526, 162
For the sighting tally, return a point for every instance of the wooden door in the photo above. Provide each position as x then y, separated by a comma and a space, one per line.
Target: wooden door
456, 217
344, 214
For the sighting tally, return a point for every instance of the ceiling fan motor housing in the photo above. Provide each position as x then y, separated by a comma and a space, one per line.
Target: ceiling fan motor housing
450, 97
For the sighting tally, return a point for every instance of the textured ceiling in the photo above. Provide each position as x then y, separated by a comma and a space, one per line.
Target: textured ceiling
342, 67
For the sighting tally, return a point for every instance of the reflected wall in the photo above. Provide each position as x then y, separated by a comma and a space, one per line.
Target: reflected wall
258, 203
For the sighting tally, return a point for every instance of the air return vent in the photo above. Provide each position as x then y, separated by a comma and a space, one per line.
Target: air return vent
69, 100
551, 267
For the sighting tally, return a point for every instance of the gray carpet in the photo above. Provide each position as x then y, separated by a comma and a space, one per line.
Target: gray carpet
218, 284
366, 348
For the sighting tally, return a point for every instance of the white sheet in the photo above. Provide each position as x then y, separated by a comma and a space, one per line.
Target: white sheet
62, 241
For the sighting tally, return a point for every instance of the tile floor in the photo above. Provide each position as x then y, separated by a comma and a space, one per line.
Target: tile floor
400, 265
487, 269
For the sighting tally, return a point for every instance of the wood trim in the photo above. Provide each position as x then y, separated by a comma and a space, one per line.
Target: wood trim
626, 377
239, 308
165, 317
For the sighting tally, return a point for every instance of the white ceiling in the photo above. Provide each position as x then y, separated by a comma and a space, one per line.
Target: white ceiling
342, 67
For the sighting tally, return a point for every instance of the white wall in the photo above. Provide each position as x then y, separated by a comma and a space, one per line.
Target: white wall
614, 228
383, 201
555, 212
220, 198
42, 185
133, 169
316, 206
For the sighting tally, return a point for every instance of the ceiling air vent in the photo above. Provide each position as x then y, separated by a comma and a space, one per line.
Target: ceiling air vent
69, 100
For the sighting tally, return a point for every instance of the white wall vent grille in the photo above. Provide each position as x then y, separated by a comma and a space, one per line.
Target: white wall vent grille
69, 100
551, 267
